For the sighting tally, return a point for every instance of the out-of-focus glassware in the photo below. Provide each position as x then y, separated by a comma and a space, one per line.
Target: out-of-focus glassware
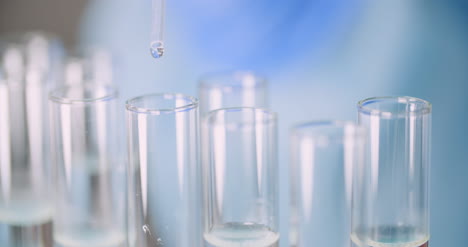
242, 193
89, 168
164, 171
391, 190
322, 157
27, 72
44, 53
91, 66
232, 89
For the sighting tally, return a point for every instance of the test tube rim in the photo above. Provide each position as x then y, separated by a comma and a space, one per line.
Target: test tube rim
363, 107
54, 95
158, 111
301, 130
272, 116
215, 80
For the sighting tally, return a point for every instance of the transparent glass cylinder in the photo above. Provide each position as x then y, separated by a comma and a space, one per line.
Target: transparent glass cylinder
89, 167
164, 172
391, 190
232, 89
224, 90
26, 204
242, 193
322, 157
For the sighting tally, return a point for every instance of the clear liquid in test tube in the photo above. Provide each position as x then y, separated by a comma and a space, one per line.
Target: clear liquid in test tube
157, 29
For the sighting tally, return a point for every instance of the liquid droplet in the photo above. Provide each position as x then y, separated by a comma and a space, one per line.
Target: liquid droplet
159, 242
157, 49
147, 231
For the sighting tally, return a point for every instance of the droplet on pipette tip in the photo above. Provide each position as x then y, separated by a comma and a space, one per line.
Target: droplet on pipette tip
157, 49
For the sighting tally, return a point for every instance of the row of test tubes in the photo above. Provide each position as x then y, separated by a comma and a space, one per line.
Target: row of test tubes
202, 172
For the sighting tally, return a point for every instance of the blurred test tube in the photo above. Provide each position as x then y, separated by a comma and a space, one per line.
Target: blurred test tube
93, 66
27, 69
322, 157
232, 89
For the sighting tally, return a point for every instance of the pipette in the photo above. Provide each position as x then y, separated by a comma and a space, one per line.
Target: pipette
157, 41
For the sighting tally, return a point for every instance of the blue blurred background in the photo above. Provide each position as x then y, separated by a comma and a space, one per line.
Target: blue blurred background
321, 57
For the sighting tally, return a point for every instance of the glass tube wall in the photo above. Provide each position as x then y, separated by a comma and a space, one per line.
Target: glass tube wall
242, 196
322, 157
164, 173
391, 190
90, 170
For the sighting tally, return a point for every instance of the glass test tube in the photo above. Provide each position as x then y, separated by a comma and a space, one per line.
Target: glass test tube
90, 170
242, 178
322, 157
223, 90
232, 89
164, 173
25, 171
157, 29
391, 190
